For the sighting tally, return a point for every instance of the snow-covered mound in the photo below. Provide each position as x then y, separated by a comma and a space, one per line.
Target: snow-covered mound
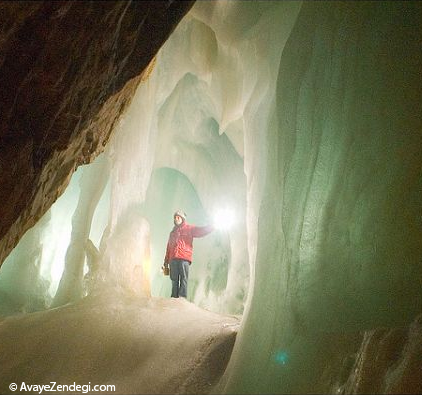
139, 345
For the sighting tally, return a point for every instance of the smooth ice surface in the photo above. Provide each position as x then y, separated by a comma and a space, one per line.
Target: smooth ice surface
338, 238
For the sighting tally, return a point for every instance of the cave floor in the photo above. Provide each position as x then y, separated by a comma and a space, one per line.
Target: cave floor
139, 345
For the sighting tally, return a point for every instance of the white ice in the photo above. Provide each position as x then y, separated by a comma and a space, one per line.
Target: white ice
305, 119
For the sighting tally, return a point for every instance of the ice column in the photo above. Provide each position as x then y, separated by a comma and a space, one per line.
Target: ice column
92, 183
338, 242
124, 253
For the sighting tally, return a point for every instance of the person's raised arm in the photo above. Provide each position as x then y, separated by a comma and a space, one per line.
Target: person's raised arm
201, 231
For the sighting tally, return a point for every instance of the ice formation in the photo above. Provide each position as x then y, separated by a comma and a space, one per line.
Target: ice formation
303, 118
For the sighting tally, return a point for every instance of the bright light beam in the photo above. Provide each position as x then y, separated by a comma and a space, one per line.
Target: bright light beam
223, 219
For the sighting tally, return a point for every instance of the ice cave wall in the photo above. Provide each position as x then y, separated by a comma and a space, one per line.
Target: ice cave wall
339, 232
67, 71
308, 116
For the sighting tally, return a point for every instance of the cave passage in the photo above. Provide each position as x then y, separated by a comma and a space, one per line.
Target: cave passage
305, 119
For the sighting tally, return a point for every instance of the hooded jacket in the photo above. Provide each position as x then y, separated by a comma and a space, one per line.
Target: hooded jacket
180, 243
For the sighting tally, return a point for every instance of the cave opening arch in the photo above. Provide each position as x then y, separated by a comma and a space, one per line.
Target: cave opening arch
170, 189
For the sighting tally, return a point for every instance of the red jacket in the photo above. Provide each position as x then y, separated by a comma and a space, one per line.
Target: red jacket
179, 245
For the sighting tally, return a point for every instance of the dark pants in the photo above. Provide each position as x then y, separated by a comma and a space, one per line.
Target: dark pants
179, 273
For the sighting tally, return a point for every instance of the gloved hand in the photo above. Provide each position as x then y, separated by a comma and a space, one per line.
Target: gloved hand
165, 269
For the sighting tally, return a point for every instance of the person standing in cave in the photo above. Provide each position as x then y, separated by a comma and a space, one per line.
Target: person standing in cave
179, 252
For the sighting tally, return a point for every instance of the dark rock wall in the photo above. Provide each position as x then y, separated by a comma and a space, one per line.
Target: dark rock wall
388, 361
67, 71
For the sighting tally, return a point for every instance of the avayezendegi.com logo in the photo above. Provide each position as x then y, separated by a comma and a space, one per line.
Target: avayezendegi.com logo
54, 387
